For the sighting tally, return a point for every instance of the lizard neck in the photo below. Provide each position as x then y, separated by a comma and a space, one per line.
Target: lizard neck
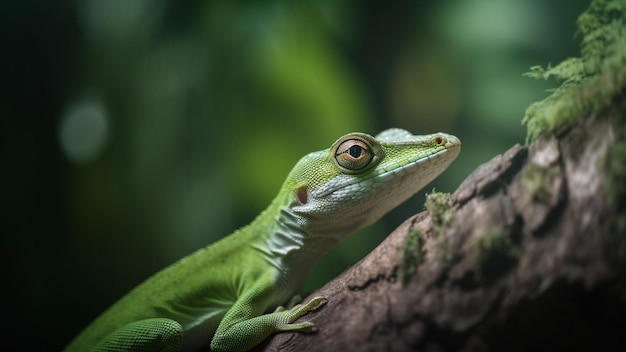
290, 248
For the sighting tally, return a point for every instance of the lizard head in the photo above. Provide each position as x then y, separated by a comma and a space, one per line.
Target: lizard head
360, 178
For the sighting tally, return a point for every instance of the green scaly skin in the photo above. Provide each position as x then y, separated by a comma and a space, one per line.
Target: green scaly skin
221, 293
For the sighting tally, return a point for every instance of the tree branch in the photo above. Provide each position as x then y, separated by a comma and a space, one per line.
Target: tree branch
529, 259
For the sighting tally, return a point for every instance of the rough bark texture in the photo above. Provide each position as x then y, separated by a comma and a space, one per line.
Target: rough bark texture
530, 260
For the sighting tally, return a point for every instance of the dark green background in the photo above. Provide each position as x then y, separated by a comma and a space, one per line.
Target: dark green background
134, 132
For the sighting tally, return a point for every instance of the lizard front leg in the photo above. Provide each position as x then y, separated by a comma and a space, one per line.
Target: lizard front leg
240, 330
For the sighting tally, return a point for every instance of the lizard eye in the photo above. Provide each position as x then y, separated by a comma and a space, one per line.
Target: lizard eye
353, 154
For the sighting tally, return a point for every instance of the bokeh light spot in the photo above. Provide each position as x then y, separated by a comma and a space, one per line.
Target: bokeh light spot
83, 132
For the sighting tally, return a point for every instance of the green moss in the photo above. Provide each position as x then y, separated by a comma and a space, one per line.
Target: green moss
440, 207
410, 254
493, 241
493, 252
441, 213
589, 82
537, 181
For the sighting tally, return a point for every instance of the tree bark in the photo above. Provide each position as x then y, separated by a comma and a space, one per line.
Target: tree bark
530, 260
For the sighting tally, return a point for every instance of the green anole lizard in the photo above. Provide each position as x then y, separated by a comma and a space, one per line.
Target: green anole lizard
222, 292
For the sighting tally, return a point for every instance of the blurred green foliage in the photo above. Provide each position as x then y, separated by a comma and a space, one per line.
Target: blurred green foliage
135, 132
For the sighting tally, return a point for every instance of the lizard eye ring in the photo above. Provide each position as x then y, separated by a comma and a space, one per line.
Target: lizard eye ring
354, 154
